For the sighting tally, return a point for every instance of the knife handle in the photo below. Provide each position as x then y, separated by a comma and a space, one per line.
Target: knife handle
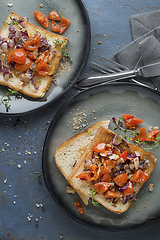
106, 78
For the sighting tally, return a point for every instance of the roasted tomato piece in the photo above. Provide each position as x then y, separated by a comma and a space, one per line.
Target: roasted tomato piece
64, 24
123, 155
31, 55
33, 43
100, 147
17, 55
111, 194
55, 27
23, 67
42, 69
121, 179
127, 116
141, 135
101, 187
41, 18
132, 123
92, 167
54, 16
106, 178
139, 176
84, 176
79, 206
129, 190
44, 57
109, 165
152, 135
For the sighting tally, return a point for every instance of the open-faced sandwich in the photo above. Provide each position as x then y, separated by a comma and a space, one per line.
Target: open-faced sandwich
113, 169
69, 153
29, 56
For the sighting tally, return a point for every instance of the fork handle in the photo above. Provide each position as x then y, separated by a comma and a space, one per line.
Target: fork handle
92, 81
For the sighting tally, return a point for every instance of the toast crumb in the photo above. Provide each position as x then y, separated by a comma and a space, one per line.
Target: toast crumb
150, 187
70, 190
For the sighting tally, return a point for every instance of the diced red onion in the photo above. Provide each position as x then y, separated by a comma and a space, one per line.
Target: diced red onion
117, 139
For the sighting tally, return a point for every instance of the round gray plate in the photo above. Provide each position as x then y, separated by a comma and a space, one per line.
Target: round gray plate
78, 34
102, 103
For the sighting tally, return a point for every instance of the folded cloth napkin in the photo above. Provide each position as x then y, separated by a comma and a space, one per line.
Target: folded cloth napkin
145, 48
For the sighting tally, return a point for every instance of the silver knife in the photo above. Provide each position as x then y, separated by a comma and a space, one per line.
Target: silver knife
147, 71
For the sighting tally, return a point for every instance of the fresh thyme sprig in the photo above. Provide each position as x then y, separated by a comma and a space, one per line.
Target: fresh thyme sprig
6, 98
65, 52
131, 134
91, 200
13, 21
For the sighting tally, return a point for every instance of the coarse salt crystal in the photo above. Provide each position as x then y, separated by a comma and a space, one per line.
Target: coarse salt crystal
5, 180
19, 166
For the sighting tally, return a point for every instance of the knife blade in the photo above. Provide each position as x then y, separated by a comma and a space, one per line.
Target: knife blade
146, 71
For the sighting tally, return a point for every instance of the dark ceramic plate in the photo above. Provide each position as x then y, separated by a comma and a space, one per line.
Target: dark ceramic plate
78, 34
102, 103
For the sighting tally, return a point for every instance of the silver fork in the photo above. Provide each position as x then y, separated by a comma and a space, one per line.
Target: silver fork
112, 71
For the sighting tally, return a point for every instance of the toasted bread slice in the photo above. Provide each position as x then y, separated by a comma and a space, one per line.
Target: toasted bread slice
118, 206
70, 152
29, 84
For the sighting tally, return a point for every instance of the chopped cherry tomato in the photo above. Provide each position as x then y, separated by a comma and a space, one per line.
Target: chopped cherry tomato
44, 57
133, 122
55, 27
23, 67
152, 135
141, 135
17, 55
121, 179
64, 24
101, 187
41, 18
79, 206
31, 55
54, 16
139, 176
84, 176
123, 155
92, 167
129, 190
127, 116
111, 194
32, 43
109, 165
42, 69
106, 178
100, 147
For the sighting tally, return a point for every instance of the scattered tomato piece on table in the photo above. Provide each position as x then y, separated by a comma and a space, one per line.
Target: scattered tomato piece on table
152, 135
79, 206
54, 16
141, 135
41, 18
55, 27
64, 24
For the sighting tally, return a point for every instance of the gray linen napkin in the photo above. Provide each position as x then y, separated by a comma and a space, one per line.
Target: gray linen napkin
145, 48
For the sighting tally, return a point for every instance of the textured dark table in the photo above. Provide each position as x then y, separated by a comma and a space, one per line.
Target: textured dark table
22, 138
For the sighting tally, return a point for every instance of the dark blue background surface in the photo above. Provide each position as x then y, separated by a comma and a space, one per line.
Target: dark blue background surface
22, 139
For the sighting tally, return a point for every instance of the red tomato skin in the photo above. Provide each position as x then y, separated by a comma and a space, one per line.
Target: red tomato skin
23, 67
54, 16
64, 24
121, 179
101, 187
55, 27
33, 43
142, 136
42, 69
41, 18
111, 194
17, 55
44, 57
152, 135
133, 122
123, 155
106, 178
79, 206
129, 190
139, 176
100, 147
84, 176
127, 116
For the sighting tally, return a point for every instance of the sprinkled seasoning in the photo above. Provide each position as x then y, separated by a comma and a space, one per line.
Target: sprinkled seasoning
19, 166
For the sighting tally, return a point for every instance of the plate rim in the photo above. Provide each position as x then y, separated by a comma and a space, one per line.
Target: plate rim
142, 225
80, 71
